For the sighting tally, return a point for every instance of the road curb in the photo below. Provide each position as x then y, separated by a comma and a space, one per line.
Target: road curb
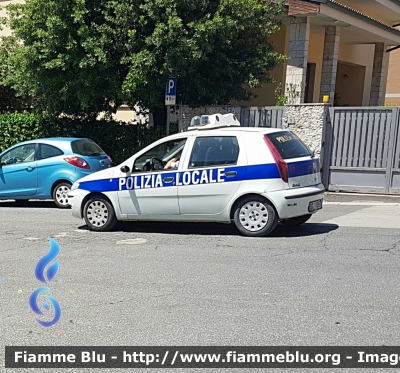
361, 203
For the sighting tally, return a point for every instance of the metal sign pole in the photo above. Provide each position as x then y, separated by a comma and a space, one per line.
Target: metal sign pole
170, 98
168, 118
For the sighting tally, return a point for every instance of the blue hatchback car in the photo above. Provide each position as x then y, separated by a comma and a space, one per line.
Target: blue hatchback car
46, 168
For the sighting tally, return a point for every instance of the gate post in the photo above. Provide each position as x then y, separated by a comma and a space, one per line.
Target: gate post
394, 123
326, 145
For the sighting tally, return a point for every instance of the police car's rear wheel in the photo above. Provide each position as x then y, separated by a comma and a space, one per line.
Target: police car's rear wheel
254, 216
99, 214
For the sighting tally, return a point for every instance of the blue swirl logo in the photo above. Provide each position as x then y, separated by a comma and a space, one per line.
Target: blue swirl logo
41, 274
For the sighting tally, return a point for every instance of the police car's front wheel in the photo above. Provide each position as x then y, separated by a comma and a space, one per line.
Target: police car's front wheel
254, 216
99, 214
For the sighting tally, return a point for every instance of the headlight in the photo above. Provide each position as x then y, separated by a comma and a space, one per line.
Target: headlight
74, 186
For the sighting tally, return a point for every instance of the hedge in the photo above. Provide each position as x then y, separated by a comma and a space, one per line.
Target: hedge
118, 139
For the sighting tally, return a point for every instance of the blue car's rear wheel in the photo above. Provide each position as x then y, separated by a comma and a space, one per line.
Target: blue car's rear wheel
99, 214
60, 194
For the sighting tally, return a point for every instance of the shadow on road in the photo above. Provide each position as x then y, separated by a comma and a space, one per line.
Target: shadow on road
219, 229
307, 229
199, 228
26, 204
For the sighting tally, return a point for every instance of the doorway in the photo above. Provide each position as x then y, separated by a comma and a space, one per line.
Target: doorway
310, 80
349, 84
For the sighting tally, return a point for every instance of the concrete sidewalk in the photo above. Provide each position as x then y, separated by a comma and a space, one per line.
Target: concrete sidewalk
373, 211
359, 199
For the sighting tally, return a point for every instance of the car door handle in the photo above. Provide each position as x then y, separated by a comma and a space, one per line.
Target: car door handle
168, 179
30, 168
230, 173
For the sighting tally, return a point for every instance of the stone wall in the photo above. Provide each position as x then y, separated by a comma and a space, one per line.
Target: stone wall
307, 121
184, 114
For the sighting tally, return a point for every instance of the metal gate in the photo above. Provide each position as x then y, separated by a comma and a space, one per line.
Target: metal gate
362, 150
265, 116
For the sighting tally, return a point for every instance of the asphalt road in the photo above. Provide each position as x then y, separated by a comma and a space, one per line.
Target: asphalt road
333, 281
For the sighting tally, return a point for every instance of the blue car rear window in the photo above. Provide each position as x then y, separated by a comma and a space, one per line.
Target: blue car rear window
86, 147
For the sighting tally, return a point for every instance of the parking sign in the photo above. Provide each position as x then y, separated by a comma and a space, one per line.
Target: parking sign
170, 91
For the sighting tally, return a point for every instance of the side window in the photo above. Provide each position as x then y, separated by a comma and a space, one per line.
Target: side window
159, 157
49, 151
214, 151
20, 154
86, 147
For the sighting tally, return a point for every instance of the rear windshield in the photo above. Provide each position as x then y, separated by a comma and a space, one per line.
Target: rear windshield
86, 147
289, 145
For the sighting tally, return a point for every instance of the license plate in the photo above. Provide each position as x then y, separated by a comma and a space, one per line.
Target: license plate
315, 205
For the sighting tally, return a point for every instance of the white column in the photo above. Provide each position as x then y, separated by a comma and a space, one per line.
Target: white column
298, 55
379, 75
329, 63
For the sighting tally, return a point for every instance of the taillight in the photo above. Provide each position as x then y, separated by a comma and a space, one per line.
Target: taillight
78, 162
109, 158
280, 162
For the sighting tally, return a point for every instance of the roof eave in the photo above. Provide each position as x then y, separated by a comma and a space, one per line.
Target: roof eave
335, 5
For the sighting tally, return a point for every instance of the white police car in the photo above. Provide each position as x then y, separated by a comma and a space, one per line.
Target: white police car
253, 176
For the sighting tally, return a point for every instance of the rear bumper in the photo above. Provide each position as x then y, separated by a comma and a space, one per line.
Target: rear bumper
304, 195
295, 202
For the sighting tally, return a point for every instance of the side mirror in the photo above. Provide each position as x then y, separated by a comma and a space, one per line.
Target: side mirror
125, 169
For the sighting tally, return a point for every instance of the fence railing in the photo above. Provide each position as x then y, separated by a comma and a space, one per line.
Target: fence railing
363, 152
265, 116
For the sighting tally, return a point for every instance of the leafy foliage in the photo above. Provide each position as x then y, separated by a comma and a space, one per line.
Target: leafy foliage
10, 100
280, 98
19, 127
293, 92
87, 56
118, 140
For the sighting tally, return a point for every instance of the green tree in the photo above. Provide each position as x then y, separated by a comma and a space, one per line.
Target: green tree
10, 101
85, 56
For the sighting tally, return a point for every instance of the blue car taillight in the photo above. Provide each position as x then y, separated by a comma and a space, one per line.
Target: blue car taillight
78, 162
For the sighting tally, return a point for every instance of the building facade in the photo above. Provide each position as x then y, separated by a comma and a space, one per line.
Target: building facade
393, 81
337, 49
